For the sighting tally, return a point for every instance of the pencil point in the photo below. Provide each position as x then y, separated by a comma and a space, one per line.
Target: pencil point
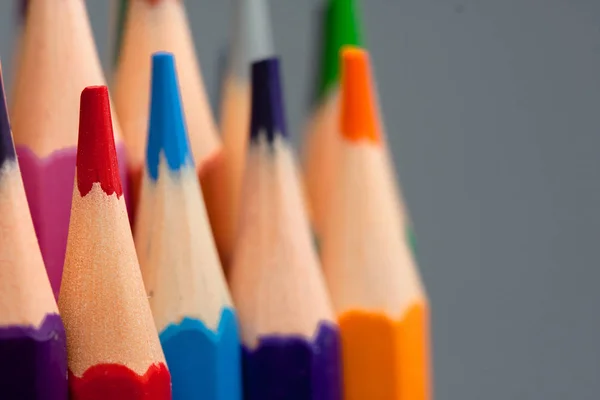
123, 6
253, 39
96, 154
7, 148
342, 28
166, 130
22, 10
267, 115
358, 115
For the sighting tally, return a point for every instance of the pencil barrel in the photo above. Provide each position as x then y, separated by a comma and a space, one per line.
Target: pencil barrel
385, 359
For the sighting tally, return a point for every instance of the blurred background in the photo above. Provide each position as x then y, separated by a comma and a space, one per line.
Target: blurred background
492, 108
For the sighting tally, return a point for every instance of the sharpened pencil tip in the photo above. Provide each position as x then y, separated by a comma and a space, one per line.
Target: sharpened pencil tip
22, 10
267, 116
7, 148
358, 114
342, 28
166, 130
122, 8
96, 154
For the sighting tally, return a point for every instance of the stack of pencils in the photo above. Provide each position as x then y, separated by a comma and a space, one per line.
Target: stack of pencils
147, 253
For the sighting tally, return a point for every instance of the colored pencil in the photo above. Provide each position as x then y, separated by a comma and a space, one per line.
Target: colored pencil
161, 25
342, 27
112, 345
20, 16
57, 60
375, 287
182, 273
22, 10
251, 40
33, 353
119, 15
290, 341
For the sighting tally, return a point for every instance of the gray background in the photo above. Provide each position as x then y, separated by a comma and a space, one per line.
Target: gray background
493, 114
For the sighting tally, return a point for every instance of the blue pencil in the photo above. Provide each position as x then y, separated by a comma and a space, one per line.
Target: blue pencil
183, 277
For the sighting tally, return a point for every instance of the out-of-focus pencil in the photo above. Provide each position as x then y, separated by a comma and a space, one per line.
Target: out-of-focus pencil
20, 16
33, 353
118, 15
290, 342
375, 287
57, 60
112, 345
183, 277
22, 10
161, 25
251, 40
342, 27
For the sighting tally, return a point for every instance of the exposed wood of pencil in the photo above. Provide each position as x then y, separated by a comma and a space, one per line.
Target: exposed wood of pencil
58, 59
33, 357
371, 274
108, 320
26, 296
25, 293
275, 276
177, 253
181, 268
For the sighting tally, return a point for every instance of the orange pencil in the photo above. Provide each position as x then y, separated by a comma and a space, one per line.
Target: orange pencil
376, 291
112, 345
57, 59
161, 25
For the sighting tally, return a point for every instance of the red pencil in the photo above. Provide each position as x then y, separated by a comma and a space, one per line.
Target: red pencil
112, 344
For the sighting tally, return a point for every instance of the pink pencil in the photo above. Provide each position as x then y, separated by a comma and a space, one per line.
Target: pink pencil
57, 60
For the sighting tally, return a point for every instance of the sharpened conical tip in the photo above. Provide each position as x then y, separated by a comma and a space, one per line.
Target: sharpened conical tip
267, 116
96, 154
166, 131
358, 113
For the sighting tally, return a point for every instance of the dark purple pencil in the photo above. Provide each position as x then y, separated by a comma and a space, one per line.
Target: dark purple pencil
294, 367
33, 353
291, 346
22, 10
